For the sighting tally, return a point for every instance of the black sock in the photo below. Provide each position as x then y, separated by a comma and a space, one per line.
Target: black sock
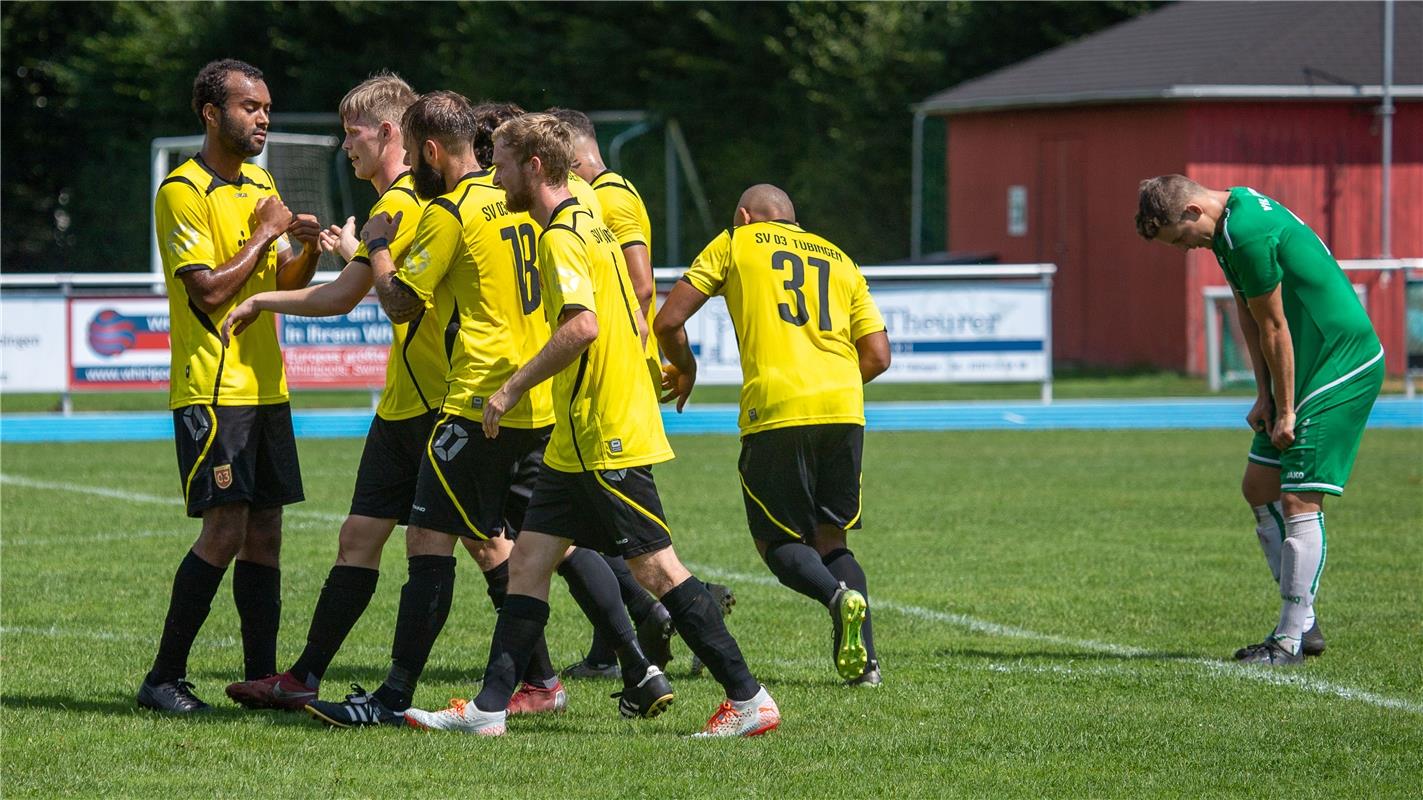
592, 584
257, 591
521, 623
344, 597
846, 569
798, 566
698, 619
638, 600
424, 604
497, 584
540, 671
194, 586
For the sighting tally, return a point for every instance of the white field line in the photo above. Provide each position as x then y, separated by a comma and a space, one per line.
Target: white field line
138, 497
1211, 667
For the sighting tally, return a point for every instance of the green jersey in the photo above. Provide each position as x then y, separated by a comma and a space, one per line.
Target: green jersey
1260, 244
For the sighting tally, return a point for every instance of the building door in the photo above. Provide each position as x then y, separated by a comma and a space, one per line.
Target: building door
1062, 241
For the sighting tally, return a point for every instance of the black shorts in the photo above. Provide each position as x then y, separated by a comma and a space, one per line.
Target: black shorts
616, 512
465, 477
390, 465
794, 479
523, 475
237, 454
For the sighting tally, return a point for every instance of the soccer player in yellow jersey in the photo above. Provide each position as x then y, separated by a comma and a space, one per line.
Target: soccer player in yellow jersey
467, 246
810, 337
626, 216
409, 403
223, 235
596, 487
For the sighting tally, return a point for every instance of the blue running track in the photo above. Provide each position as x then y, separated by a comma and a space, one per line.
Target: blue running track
1389, 412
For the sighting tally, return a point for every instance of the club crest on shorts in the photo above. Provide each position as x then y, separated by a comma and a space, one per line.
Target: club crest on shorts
222, 475
450, 442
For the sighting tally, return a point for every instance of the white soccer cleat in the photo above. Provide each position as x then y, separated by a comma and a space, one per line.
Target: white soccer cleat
461, 716
751, 717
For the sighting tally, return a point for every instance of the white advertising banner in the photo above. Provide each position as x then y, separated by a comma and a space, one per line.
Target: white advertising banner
939, 332
32, 342
118, 343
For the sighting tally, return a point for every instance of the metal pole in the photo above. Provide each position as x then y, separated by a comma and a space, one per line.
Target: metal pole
916, 189
1213, 343
159, 170
1047, 341
674, 208
1386, 111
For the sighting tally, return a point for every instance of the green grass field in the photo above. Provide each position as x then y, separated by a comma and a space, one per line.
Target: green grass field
1054, 613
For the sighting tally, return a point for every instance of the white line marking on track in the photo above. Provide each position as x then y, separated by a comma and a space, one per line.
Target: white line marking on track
1210, 666
1213, 667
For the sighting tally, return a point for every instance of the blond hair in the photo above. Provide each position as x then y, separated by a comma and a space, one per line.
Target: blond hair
383, 97
1162, 200
544, 136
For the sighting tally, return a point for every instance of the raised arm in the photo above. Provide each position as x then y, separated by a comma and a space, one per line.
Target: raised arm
323, 300
211, 289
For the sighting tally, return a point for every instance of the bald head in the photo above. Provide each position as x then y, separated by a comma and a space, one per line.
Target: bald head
764, 202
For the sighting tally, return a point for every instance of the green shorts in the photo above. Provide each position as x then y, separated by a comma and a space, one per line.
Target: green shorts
1327, 436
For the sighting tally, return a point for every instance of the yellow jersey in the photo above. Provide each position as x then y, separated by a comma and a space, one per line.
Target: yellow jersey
626, 216
202, 221
798, 305
469, 245
605, 401
415, 370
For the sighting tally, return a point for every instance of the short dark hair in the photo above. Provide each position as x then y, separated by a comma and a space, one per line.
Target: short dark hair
1161, 201
488, 117
445, 116
211, 84
575, 120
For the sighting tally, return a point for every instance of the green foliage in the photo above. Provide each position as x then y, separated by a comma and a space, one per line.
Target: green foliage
814, 97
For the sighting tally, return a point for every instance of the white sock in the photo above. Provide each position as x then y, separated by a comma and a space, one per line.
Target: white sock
1301, 563
1270, 529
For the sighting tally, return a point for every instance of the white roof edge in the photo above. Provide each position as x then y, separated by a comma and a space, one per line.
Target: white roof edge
1179, 92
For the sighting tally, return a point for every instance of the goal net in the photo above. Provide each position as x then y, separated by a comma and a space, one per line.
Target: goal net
303, 165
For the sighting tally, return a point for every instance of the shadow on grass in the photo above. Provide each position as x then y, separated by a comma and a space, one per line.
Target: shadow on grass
124, 705
1057, 655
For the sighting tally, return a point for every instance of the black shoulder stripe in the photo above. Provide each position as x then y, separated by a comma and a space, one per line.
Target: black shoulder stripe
633, 243
361, 260
191, 268
563, 227
178, 179
407, 190
444, 203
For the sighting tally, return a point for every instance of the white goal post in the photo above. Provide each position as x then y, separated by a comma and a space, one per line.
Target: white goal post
301, 163
1227, 363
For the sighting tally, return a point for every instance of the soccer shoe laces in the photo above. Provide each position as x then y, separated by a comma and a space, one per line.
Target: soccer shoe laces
457, 706
357, 693
726, 716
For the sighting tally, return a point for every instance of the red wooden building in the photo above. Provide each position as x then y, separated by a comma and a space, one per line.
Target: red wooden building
1044, 159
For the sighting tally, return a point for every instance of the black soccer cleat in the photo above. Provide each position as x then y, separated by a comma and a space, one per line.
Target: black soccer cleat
649, 698
654, 636
724, 600
173, 697
360, 709
1313, 642
1270, 653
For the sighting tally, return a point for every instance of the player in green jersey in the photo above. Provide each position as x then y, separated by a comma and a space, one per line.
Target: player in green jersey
1318, 368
